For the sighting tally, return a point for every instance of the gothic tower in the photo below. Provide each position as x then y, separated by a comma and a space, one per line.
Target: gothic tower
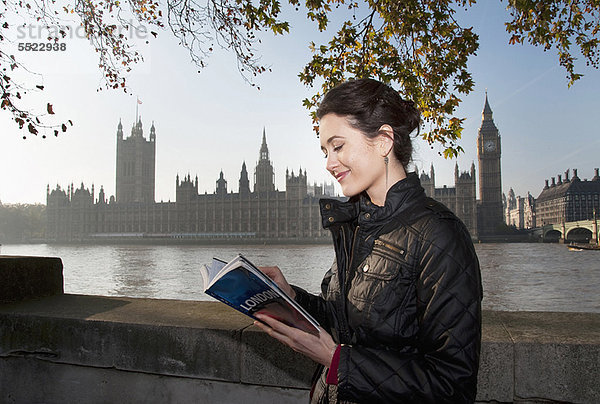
295, 186
428, 182
490, 175
244, 183
221, 185
263, 174
135, 169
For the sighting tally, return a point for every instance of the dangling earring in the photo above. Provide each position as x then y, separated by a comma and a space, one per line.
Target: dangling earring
386, 160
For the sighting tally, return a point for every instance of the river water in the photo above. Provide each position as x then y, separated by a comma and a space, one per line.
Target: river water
520, 276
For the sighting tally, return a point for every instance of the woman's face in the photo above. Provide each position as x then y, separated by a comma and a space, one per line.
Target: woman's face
354, 160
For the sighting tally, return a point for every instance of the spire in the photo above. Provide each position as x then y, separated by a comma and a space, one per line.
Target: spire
244, 183
136, 129
263, 175
120, 130
264, 150
487, 110
221, 185
487, 120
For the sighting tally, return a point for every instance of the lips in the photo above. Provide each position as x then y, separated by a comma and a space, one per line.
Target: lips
340, 176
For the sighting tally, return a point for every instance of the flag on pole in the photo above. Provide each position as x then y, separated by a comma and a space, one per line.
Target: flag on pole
139, 101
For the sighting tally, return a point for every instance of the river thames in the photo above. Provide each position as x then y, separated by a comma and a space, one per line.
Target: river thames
517, 276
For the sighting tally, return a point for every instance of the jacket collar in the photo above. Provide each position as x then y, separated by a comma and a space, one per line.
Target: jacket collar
400, 197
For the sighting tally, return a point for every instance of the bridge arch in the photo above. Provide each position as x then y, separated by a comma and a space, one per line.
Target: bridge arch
579, 235
552, 236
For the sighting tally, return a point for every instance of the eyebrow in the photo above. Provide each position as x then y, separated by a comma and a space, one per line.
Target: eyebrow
331, 139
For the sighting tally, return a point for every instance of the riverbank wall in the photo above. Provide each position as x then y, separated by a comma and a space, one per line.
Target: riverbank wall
57, 348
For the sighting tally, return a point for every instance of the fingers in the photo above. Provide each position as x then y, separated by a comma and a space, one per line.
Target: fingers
276, 325
271, 329
318, 348
271, 272
276, 275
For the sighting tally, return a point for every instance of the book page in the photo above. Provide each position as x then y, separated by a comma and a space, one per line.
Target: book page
210, 273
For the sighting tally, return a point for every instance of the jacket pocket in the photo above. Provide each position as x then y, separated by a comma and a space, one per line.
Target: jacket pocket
379, 289
374, 275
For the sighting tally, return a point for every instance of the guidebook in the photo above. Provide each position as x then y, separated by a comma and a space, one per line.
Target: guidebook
244, 287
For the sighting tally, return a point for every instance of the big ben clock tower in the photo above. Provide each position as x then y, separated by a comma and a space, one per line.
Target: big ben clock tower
490, 176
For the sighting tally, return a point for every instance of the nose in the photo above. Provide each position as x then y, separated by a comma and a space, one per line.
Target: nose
332, 162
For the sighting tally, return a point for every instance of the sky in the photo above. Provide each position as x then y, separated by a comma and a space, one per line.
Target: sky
213, 120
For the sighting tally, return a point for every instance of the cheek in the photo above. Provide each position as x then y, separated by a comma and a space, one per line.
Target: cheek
363, 158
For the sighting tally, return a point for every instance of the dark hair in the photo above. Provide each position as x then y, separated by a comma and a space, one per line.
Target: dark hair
368, 104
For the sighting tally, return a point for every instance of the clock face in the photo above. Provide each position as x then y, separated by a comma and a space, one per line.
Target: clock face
489, 145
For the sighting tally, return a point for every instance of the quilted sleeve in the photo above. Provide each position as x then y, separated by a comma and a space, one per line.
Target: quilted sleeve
442, 366
315, 305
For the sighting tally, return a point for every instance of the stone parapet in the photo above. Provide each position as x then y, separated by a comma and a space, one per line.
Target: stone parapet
24, 278
76, 348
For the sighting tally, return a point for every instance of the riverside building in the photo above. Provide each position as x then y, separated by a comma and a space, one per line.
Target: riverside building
568, 200
519, 211
259, 214
482, 217
461, 199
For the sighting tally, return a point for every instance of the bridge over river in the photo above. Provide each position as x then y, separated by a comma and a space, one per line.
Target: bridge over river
579, 231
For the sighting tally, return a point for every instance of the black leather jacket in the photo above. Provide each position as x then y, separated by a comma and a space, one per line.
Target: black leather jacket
403, 298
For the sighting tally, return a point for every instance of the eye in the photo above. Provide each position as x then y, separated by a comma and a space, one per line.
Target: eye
338, 148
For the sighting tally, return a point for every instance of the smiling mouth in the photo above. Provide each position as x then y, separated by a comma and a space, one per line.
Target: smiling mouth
340, 176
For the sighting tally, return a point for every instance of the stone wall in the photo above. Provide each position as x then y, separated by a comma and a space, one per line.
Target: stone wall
60, 348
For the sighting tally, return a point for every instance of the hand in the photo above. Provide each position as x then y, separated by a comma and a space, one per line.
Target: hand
318, 348
275, 274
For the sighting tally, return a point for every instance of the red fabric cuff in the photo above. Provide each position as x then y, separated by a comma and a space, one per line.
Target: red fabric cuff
332, 377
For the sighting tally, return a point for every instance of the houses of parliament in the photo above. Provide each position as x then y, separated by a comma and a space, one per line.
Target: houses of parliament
259, 214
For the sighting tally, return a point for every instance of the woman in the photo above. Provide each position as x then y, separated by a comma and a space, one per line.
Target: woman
400, 308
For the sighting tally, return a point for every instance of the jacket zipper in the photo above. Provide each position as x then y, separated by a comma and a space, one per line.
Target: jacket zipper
343, 285
392, 247
347, 286
352, 247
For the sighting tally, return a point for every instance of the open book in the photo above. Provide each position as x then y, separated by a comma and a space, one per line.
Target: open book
244, 287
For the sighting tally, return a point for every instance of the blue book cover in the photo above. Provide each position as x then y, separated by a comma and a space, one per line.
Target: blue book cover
245, 288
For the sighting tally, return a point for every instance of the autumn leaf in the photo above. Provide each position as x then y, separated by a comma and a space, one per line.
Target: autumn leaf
417, 43
32, 129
